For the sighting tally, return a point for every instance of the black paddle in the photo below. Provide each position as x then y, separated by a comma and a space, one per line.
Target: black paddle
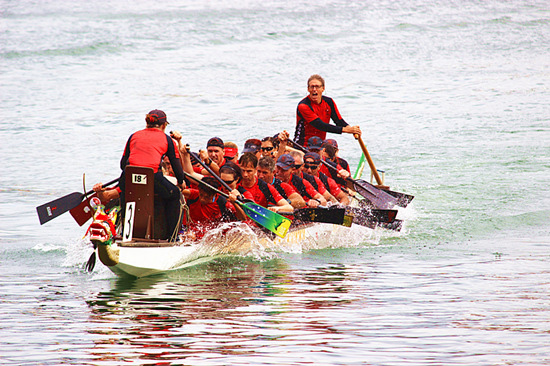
218, 178
328, 215
51, 210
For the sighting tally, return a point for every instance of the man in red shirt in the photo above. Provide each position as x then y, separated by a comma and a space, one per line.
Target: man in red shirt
311, 166
314, 113
146, 148
265, 172
213, 157
264, 193
341, 161
207, 209
338, 172
285, 169
315, 181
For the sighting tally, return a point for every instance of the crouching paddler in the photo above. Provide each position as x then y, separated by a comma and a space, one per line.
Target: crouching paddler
146, 148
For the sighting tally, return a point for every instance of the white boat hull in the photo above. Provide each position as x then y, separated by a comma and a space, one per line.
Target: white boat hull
145, 258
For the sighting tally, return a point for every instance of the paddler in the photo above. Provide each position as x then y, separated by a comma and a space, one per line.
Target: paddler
314, 113
266, 172
312, 162
285, 168
208, 209
315, 181
146, 148
264, 193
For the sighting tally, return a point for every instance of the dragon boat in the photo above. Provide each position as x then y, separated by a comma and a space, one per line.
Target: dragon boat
134, 248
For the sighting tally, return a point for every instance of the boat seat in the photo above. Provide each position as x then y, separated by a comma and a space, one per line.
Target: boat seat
140, 189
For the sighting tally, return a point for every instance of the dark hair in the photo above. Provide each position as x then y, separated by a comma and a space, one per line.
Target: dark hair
267, 162
156, 117
248, 158
231, 168
211, 181
274, 141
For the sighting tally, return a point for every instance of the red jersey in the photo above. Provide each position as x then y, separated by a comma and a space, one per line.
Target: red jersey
319, 185
206, 217
303, 187
147, 147
329, 172
287, 188
264, 193
332, 186
313, 119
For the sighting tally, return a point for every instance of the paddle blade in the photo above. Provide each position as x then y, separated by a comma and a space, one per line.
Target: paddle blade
403, 199
373, 214
318, 214
379, 198
83, 212
369, 217
272, 221
51, 210
396, 225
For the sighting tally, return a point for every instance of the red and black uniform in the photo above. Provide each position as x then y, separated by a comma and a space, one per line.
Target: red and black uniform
146, 148
313, 119
246, 195
206, 217
283, 188
303, 187
331, 185
315, 182
264, 194
333, 173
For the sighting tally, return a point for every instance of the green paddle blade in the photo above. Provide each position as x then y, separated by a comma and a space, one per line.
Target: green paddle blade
270, 220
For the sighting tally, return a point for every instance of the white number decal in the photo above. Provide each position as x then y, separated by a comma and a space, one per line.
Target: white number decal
139, 179
129, 221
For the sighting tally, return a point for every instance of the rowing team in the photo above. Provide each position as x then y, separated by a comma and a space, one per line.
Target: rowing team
269, 172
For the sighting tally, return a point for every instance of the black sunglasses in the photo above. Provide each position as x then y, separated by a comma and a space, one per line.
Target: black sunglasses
298, 166
267, 148
228, 182
311, 166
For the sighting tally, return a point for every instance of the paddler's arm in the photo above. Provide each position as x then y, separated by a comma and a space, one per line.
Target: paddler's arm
283, 140
282, 206
296, 200
232, 197
203, 155
105, 194
343, 198
186, 162
320, 125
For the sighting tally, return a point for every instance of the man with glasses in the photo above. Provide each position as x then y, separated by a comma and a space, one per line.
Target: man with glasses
315, 181
285, 171
312, 161
314, 113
